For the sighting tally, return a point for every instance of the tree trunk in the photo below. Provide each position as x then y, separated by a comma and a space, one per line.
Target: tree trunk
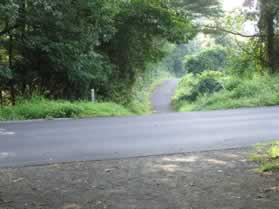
13, 95
266, 26
270, 42
1, 98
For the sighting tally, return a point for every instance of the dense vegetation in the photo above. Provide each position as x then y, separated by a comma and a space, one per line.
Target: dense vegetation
212, 91
211, 58
59, 50
62, 49
233, 73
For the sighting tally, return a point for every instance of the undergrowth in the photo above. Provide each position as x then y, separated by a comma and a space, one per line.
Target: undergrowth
259, 90
38, 107
267, 155
41, 108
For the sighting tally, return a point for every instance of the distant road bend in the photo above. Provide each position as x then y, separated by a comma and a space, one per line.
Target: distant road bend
161, 98
32, 143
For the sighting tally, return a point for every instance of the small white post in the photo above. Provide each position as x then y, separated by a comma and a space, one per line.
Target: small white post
93, 95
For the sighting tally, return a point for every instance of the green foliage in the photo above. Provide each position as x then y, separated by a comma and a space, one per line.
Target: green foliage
198, 7
208, 59
208, 86
62, 49
240, 82
244, 62
274, 150
173, 62
5, 75
254, 92
204, 87
106, 109
266, 14
38, 107
48, 45
191, 87
267, 155
258, 91
142, 31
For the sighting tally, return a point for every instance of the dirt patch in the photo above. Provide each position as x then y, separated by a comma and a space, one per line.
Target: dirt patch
208, 180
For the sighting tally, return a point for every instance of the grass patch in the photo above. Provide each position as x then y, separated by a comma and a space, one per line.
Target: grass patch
253, 92
267, 155
41, 108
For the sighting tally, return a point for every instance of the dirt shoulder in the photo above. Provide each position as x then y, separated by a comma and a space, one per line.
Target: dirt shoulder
208, 180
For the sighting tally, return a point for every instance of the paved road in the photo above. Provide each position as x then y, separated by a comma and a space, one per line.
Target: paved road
161, 98
31, 143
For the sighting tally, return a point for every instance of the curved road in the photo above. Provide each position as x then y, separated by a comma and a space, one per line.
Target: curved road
40, 142
161, 98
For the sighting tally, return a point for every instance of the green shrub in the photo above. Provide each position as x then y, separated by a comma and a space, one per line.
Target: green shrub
193, 86
232, 83
208, 86
249, 92
204, 87
208, 59
243, 63
267, 155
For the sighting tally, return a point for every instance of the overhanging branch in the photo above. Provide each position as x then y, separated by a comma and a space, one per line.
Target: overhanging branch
211, 29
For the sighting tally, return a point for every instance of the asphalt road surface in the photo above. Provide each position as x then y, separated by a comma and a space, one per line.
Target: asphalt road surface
161, 99
42, 142
31, 143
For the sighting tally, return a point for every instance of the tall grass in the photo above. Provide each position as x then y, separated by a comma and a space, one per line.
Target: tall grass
41, 108
259, 90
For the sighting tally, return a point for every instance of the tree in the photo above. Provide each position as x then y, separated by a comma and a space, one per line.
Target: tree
61, 49
49, 45
268, 19
143, 27
209, 59
199, 8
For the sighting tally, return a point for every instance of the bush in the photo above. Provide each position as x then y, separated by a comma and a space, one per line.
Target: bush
204, 87
254, 92
208, 86
267, 155
243, 63
191, 87
209, 59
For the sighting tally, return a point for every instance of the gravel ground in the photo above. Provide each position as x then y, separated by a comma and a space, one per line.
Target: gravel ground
207, 180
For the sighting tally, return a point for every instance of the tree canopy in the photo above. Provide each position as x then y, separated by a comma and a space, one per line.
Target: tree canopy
63, 48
